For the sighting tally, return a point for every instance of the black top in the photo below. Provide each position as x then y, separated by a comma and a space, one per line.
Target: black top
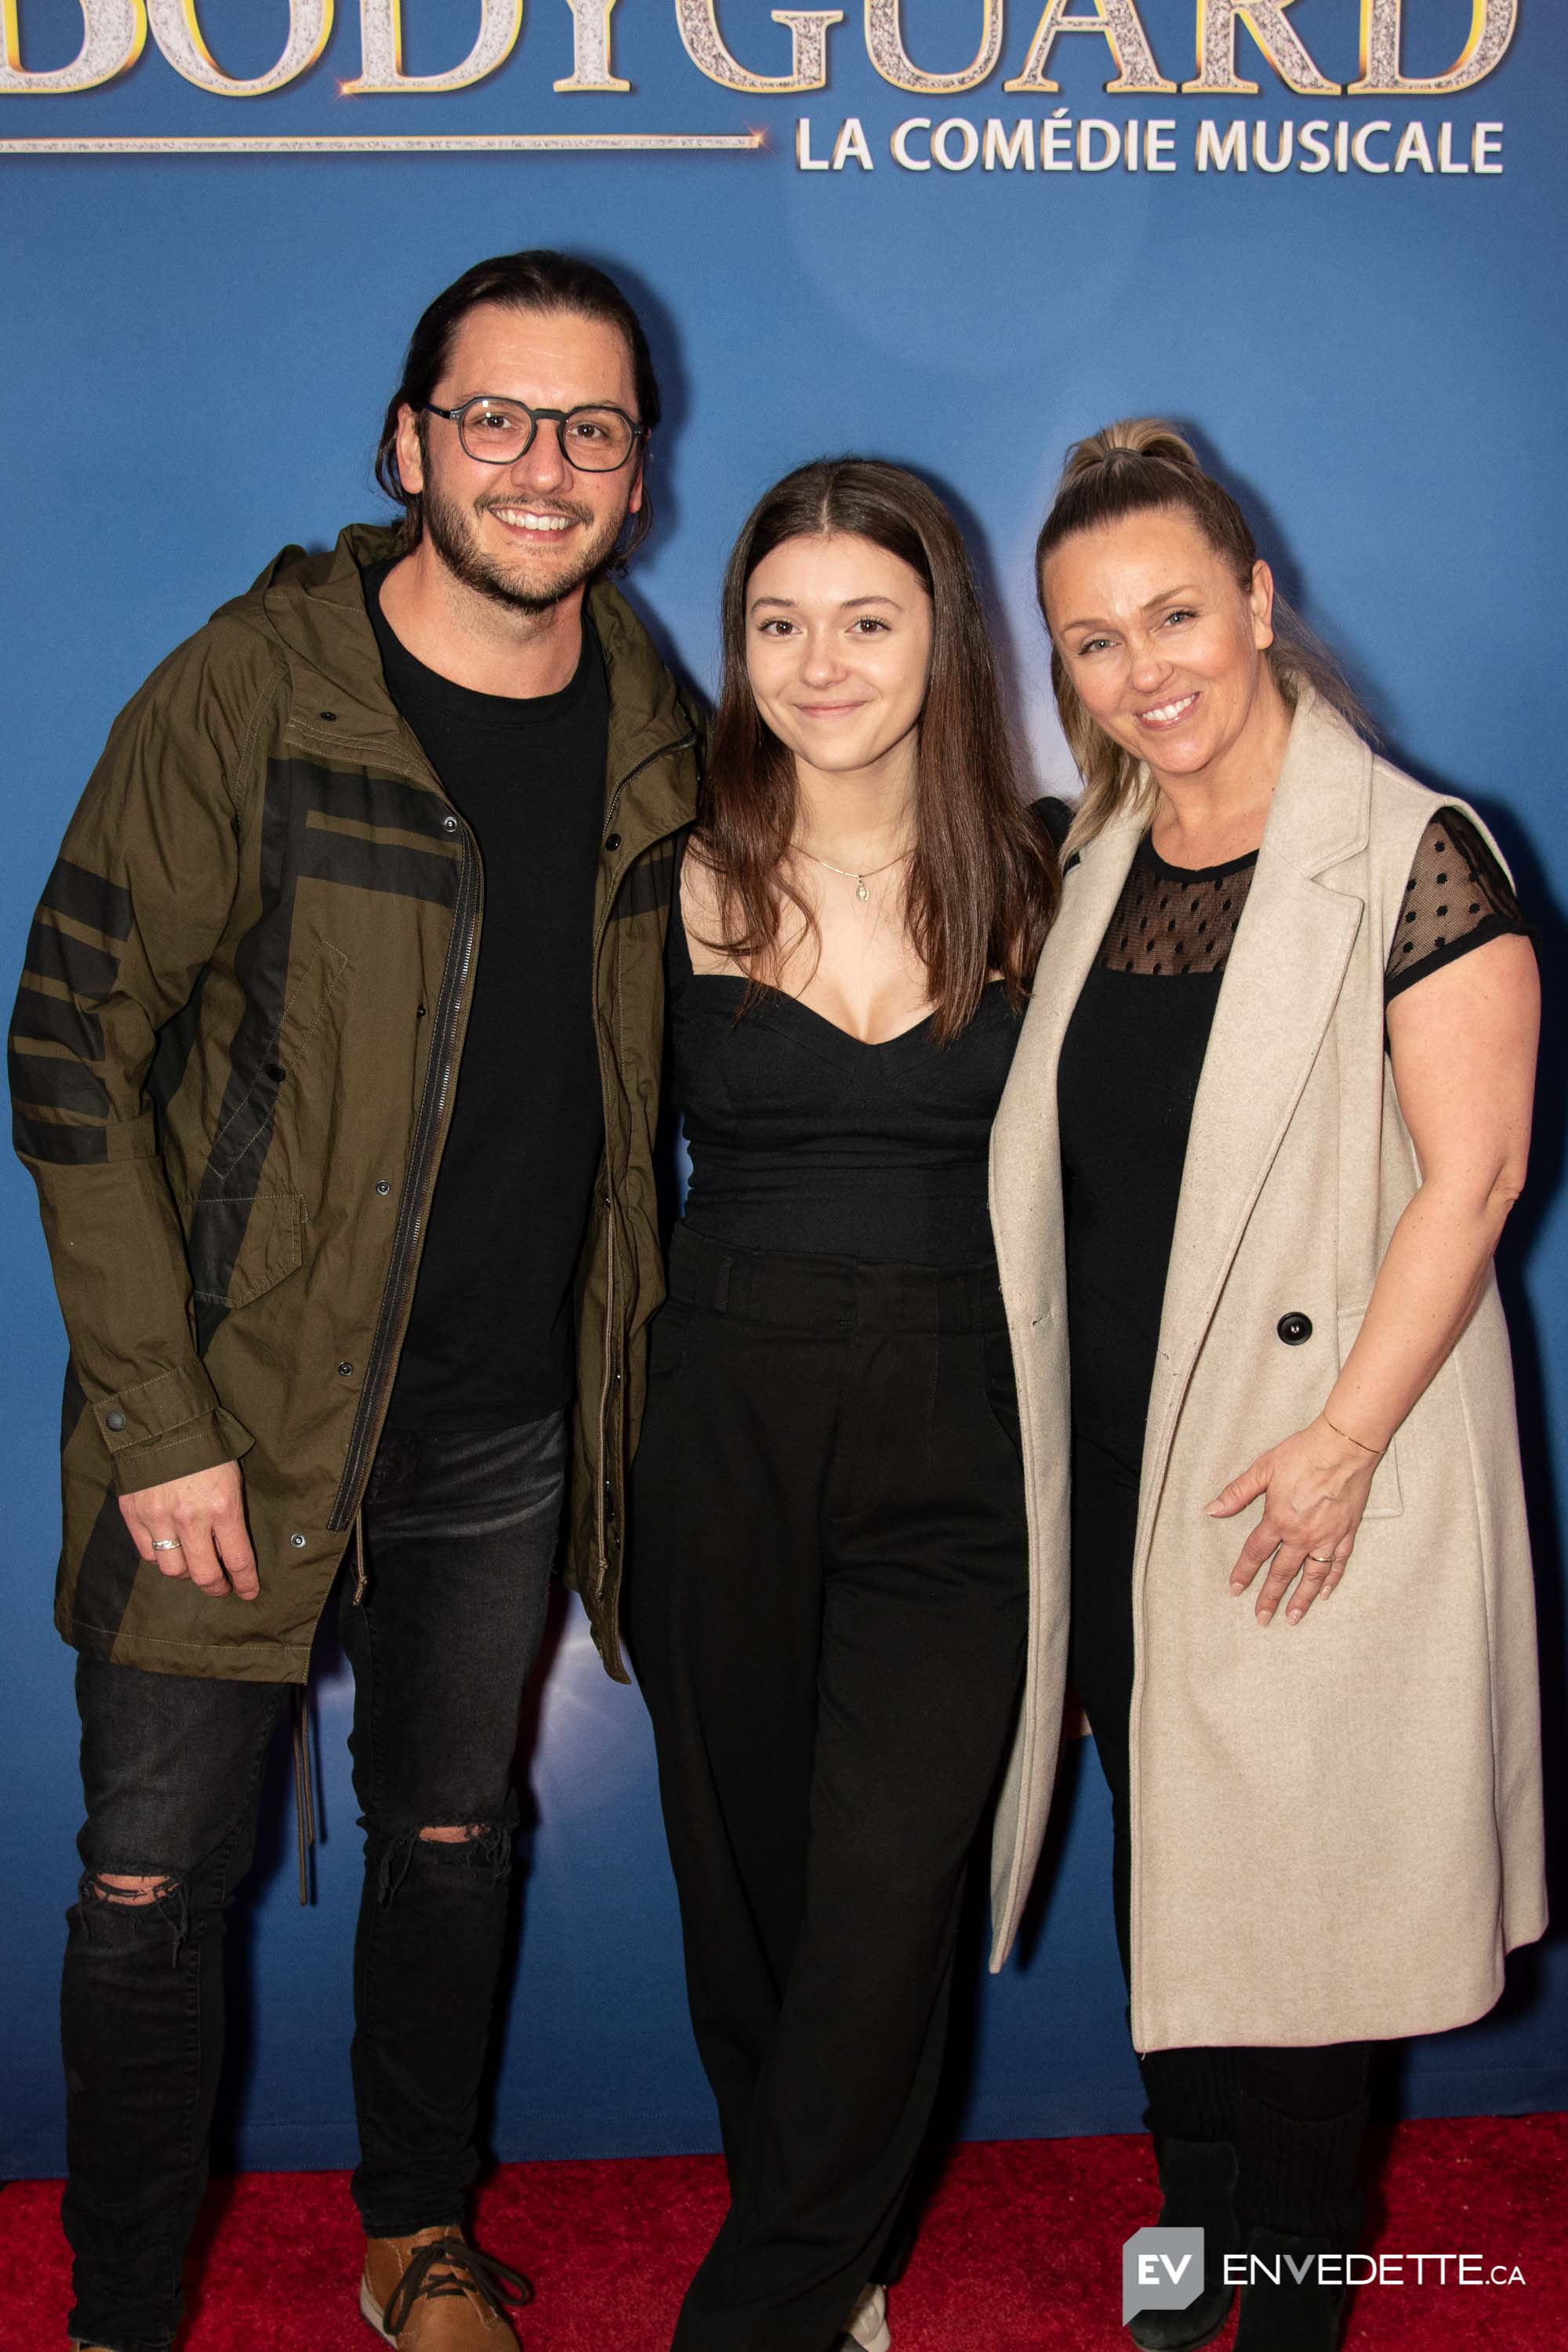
489, 1339
1128, 1072
804, 1139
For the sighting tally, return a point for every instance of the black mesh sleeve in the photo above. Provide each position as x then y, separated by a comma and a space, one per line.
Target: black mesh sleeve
1457, 897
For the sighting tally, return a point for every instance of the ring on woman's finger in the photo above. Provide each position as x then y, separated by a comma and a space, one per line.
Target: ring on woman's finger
1324, 1558
167, 1543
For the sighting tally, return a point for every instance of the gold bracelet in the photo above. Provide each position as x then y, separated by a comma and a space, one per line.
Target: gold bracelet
1378, 1450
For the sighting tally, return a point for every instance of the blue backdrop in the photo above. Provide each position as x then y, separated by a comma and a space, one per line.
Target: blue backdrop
199, 346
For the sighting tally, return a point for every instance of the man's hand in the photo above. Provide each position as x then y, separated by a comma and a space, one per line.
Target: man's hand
195, 1527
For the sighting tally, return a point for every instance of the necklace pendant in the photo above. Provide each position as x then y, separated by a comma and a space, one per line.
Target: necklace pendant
860, 890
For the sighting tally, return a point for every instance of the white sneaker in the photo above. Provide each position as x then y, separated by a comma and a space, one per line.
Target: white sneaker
867, 2324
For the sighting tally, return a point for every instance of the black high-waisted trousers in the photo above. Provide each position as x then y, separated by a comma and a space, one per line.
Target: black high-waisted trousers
828, 1600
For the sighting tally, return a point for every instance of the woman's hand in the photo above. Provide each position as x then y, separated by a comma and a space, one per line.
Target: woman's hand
1314, 1487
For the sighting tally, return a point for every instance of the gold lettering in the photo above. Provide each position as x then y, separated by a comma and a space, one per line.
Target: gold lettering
591, 48
885, 47
113, 34
1120, 23
808, 29
1280, 42
177, 31
380, 70
1492, 27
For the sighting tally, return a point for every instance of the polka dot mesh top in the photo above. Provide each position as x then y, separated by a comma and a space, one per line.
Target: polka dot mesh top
1171, 920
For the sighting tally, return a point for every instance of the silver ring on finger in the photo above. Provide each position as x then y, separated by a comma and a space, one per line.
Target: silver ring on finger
167, 1543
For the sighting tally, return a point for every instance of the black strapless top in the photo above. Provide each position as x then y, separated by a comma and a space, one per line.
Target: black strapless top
806, 1140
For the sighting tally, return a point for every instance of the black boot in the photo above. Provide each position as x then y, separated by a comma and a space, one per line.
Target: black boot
1299, 2197
1197, 2185
1285, 2306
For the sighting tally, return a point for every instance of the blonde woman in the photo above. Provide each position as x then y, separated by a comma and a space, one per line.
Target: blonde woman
1274, 1090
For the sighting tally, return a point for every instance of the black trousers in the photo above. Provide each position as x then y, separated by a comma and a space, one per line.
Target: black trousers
1296, 2113
460, 1536
828, 1604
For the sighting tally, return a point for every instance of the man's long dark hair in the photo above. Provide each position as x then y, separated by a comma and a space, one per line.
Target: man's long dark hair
983, 883
537, 279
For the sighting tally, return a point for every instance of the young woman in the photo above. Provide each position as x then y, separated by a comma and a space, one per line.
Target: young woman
828, 1597
1277, 1081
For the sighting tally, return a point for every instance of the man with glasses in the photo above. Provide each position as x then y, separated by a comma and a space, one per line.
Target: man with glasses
336, 1062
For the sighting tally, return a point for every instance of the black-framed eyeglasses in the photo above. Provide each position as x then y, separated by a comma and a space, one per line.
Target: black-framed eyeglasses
595, 440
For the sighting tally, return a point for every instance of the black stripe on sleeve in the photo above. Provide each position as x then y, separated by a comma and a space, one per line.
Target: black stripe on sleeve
56, 955
60, 1021
62, 1147
88, 898
49, 1082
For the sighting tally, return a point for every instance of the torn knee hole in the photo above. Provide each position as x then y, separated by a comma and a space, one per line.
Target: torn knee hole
462, 1847
143, 1902
127, 1892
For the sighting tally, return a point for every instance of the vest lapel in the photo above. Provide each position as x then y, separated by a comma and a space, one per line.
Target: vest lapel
1026, 1166
1280, 987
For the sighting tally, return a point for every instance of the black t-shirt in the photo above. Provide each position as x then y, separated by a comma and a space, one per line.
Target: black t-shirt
489, 1339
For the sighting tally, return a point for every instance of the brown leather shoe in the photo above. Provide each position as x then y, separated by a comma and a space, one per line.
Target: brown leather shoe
434, 2293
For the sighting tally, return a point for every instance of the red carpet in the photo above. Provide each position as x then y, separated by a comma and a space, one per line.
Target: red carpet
1021, 2251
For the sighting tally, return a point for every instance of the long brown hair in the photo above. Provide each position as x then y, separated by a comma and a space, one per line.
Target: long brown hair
1135, 466
982, 883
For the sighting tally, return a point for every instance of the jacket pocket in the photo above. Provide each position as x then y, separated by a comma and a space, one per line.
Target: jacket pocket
1385, 1500
243, 1244
246, 1132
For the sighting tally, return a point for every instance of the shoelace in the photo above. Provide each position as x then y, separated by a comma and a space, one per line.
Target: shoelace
465, 2271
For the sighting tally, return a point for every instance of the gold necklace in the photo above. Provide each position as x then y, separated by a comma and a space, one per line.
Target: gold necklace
849, 873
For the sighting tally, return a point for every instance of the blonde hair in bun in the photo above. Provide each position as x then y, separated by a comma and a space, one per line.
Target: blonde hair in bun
1138, 466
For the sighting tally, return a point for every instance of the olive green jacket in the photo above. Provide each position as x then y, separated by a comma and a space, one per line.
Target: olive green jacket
232, 1062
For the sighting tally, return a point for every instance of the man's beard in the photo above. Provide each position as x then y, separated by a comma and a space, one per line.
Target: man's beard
451, 534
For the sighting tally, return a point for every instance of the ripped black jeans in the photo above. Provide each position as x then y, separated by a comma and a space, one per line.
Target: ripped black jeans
460, 1539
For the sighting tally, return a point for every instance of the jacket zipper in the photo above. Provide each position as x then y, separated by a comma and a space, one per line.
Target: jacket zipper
424, 1158
602, 1489
681, 743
